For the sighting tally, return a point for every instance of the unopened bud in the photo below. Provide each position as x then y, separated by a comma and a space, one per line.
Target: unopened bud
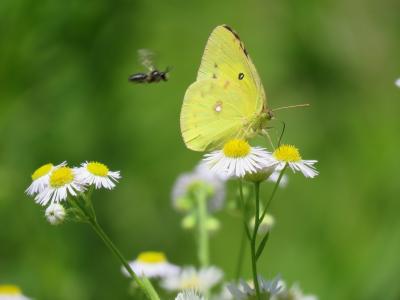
55, 214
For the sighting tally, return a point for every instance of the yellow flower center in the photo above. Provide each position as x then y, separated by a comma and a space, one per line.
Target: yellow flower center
97, 168
192, 283
287, 153
61, 177
9, 290
43, 170
152, 257
236, 148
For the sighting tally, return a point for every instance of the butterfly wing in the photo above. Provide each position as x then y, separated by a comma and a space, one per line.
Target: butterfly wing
227, 99
225, 57
213, 112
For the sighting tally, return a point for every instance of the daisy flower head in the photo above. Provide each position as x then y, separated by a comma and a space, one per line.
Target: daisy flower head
238, 158
191, 279
55, 213
293, 293
245, 290
397, 82
11, 292
201, 178
61, 183
152, 265
289, 154
97, 174
40, 178
189, 295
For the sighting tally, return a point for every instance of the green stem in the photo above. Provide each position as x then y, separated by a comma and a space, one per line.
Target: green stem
273, 192
241, 255
244, 211
143, 283
254, 241
203, 241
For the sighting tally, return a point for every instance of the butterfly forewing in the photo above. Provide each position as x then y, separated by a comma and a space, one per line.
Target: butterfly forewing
225, 57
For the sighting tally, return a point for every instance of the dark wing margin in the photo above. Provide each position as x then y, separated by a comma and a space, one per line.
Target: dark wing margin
238, 38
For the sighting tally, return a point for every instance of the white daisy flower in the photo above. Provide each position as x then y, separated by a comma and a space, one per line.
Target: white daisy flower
245, 290
97, 174
189, 295
294, 293
55, 213
40, 178
191, 279
61, 183
11, 292
238, 158
397, 82
201, 176
288, 154
152, 265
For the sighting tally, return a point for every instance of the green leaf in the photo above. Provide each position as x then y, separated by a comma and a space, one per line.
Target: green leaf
262, 246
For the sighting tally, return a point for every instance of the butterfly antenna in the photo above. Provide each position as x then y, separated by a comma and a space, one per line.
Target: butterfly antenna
283, 131
291, 106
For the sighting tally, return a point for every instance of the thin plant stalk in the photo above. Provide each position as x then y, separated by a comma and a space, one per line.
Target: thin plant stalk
242, 249
202, 232
253, 242
259, 217
88, 211
273, 192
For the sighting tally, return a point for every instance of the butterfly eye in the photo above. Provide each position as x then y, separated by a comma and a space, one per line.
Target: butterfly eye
241, 76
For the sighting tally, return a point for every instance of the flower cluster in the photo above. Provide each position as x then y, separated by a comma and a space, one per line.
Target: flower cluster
172, 278
53, 184
199, 185
238, 159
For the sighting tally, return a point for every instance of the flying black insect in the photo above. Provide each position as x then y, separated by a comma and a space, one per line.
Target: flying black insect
146, 58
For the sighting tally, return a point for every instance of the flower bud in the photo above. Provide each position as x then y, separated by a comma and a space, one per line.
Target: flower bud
55, 214
212, 224
188, 222
266, 225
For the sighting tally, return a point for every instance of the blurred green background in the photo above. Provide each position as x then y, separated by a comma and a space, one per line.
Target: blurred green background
64, 95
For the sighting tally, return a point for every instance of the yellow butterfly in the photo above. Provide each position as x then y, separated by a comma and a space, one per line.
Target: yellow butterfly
227, 100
